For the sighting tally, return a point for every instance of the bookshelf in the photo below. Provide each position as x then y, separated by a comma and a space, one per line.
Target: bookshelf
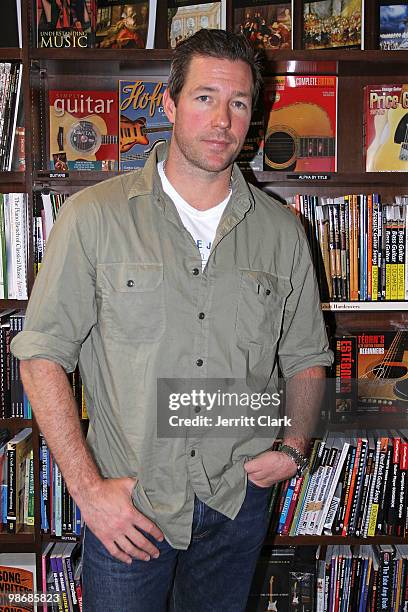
354, 68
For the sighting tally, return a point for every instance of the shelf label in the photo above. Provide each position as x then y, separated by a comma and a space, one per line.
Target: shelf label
309, 177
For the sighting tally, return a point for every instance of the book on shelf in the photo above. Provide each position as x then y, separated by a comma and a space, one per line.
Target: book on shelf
265, 24
124, 24
17, 579
336, 577
385, 127
328, 24
83, 130
142, 121
10, 28
65, 24
371, 370
60, 516
270, 585
10, 84
358, 244
301, 123
250, 157
393, 22
355, 486
18, 449
185, 18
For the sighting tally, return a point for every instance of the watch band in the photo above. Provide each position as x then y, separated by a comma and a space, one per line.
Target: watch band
298, 457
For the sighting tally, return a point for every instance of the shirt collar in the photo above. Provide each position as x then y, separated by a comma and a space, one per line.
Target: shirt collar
147, 181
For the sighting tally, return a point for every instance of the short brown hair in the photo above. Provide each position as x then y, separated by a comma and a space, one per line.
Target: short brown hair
213, 43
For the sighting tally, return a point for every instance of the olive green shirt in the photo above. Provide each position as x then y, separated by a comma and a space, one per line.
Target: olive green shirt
120, 290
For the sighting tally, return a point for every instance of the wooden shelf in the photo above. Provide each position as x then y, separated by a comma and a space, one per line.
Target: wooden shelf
20, 542
367, 306
18, 304
10, 53
15, 424
85, 178
366, 181
277, 540
12, 182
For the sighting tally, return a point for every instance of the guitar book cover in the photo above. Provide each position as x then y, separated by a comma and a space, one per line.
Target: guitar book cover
270, 585
371, 373
65, 23
142, 121
83, 131
385, 136
328, 24
301, 124
265, 24
121, 24
393, 25
186, 18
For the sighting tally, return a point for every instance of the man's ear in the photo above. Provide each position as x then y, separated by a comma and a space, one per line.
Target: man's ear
169, 106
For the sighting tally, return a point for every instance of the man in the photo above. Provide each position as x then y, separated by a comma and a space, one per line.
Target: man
181, 270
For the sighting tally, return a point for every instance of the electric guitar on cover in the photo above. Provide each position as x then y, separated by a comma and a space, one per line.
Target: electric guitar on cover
79, 138
387, 379
295, 133
272, 604
133, 132
389, 148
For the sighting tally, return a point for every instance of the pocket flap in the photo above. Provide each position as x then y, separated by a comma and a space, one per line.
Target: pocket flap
133, 277
265, 283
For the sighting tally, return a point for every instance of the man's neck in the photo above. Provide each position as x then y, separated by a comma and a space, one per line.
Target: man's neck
200, 188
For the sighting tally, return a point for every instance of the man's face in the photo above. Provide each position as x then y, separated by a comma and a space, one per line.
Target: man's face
213, 112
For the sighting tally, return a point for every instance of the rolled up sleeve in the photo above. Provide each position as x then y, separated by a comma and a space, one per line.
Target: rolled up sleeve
62, 307
303, 343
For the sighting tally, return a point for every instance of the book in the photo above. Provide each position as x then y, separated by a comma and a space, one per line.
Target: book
270, 585
385, 127
142, 121
185, 18
17, 450
373, 375
83, 130
10, 27
121, 24
301, 123
67, 24
265, 24
393, 25
328, 24
17, 578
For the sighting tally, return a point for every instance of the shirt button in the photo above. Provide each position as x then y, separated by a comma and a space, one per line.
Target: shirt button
199, 362
197, 408
192, 453
201, 315
130, 283
196, 271
268, 291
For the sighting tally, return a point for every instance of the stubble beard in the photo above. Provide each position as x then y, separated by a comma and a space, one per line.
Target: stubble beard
197, 158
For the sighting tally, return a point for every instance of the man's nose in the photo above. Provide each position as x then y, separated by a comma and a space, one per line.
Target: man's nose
222, 116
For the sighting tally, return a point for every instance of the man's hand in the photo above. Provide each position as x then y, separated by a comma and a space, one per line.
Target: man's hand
108, 511
270, 467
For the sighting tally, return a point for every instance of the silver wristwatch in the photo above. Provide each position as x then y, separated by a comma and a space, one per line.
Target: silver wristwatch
301, 461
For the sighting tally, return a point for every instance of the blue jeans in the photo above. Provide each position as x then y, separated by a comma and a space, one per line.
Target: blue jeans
213, 575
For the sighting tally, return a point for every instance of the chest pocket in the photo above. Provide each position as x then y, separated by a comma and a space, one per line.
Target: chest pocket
260, 307
133, 301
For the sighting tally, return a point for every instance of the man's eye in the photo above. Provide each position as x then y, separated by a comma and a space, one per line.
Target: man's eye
239, 104
203, 98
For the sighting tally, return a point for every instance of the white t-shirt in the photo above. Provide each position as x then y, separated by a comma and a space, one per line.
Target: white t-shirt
202, 224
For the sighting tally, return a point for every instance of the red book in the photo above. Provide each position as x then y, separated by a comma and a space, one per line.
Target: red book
301, 123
